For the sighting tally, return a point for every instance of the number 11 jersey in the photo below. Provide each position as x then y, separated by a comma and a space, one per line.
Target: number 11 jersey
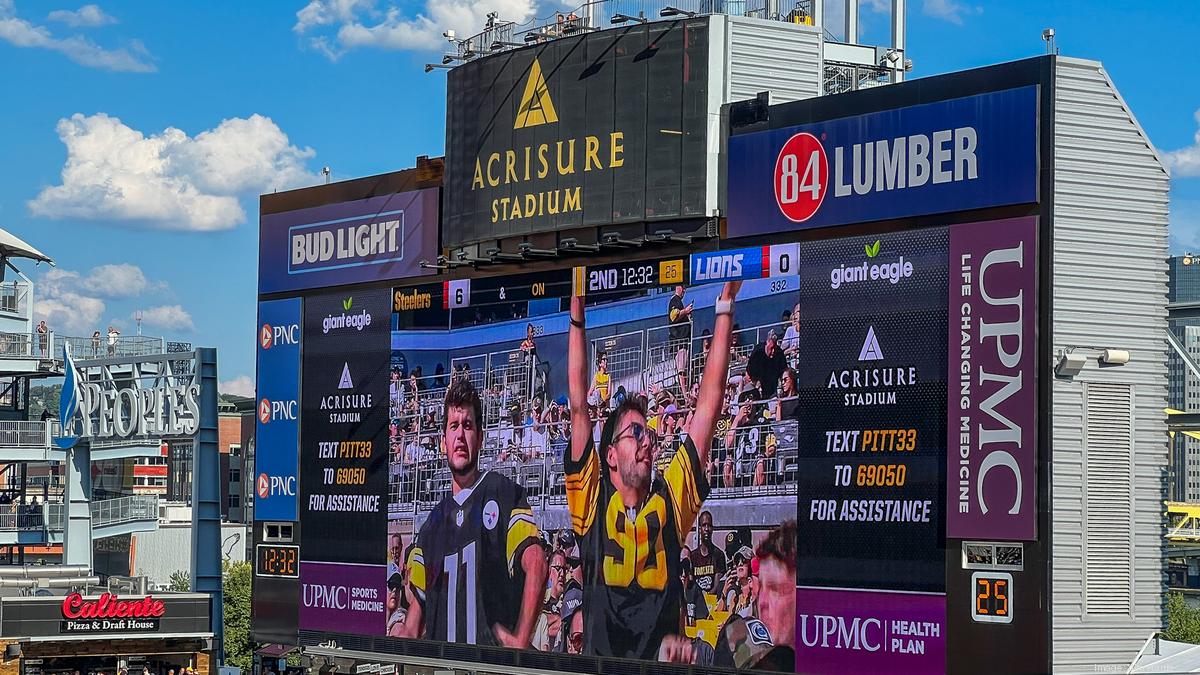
466, 566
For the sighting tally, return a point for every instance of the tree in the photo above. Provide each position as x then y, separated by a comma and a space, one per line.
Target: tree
1183, 622
180, 582
236, 587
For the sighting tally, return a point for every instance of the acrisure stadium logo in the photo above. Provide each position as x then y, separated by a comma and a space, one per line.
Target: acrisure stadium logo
803, 172
536, 107
541, 160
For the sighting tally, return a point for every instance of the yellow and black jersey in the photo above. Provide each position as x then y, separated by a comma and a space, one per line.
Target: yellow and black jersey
632, 591
466, 567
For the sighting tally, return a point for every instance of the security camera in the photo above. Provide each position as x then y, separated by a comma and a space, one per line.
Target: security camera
1048, 34
449, 34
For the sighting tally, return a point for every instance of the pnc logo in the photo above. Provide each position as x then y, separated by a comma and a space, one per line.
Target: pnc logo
269, 410
536, 108
267, 486
269, 335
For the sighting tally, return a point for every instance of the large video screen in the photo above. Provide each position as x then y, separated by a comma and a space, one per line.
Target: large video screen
736, 458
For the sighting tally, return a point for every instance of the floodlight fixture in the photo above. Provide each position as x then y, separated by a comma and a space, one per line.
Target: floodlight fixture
675, 11
618, 19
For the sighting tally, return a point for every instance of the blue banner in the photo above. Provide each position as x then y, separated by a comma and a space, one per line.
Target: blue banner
372, 239
277, 432
965, 153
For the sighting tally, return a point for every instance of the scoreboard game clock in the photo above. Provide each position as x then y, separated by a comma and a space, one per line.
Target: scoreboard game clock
277, 560
631, 276
993, 595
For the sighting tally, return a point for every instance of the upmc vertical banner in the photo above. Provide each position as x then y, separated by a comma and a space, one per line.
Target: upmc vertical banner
277, 431
343, 441
992, 399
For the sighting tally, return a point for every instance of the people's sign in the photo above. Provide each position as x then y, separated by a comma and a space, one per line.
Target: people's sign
110, 408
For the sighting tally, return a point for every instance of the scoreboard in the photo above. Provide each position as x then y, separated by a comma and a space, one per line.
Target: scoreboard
758, 262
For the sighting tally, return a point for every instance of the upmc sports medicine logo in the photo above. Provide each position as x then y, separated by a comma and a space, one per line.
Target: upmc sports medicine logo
269, 336
801, 177
802, 171
269, 486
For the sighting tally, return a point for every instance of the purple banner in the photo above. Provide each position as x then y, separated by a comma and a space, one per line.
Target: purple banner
851, 631
991, 481
343, 597
372, 239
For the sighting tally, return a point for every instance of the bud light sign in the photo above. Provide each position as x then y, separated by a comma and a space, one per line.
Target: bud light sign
278, 409
382, 237
965, 153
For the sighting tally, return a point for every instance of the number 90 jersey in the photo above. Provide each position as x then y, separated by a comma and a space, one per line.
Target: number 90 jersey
632, 591
466, 567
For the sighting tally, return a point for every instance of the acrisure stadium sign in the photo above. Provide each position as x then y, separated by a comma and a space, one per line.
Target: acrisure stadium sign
607, 127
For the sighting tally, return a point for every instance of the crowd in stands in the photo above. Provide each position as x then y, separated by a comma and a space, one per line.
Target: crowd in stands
527, 428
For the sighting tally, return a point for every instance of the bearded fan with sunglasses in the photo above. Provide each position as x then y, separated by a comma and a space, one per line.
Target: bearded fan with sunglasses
632, 523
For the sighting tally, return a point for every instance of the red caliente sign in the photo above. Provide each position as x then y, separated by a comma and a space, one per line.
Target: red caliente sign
107, 606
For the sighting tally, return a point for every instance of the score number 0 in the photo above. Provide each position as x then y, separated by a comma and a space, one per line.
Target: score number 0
991, 597
801, 177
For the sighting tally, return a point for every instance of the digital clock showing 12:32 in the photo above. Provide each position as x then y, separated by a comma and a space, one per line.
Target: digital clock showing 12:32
992, 602
277, 560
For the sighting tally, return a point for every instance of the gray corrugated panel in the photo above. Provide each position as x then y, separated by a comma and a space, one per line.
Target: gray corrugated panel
782, 58
1110, 246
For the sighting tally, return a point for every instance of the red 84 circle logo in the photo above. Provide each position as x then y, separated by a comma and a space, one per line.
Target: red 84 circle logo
801, 176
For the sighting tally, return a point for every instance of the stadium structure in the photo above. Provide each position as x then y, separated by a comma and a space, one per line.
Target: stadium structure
947, 451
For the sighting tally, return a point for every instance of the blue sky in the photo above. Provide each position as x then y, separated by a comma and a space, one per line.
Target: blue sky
136, 137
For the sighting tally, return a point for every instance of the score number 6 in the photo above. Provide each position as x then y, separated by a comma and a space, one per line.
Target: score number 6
801, 177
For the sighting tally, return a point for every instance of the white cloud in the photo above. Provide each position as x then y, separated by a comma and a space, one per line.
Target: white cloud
73, 303
1185, 162
170, 317
359, 25
88, 16
1184, 224
110, 281
21, 33
69, 313
880, 6
242, 385
327, 12
949, 10
120, 281
168, 180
